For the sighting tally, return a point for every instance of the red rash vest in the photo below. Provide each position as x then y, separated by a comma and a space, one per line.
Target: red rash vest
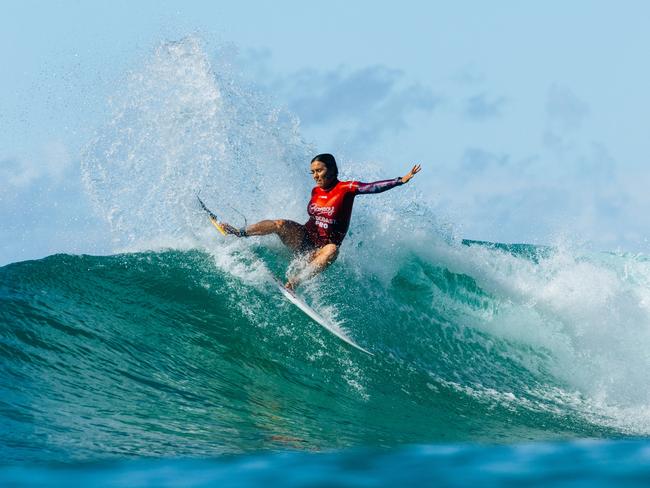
330, 208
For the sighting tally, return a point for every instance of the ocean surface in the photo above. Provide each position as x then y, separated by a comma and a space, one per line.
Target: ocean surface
165, 355
173, 361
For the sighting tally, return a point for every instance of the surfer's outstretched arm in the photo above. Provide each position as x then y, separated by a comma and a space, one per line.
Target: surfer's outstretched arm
383, 185
319, 261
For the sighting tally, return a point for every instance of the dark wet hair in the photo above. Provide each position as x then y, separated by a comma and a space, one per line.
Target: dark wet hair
329, 162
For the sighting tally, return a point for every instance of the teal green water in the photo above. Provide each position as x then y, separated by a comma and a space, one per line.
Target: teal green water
165, 354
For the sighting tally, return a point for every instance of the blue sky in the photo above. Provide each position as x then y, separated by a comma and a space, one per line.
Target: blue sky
529, 119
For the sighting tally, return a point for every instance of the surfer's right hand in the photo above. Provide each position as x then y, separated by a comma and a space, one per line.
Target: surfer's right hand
414, 170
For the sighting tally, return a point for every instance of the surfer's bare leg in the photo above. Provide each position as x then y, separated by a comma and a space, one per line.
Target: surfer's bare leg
292, 234
319, 260
322, 257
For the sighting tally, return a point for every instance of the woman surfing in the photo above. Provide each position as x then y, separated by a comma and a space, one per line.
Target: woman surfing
329, 209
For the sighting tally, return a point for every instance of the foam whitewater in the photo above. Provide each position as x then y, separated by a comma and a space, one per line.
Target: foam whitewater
178, 345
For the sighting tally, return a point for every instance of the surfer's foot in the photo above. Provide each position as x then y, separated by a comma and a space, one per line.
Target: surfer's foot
229, 229
290, 285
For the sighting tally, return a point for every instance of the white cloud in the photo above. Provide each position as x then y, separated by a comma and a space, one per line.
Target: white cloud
565, 110
357, 106
368, 102
566, 114
468, 75
477, 160
480, 107
52, 161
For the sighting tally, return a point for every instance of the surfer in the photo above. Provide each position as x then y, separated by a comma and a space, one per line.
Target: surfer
329, 209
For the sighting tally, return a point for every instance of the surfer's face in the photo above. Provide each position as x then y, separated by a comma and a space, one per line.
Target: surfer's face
321, 175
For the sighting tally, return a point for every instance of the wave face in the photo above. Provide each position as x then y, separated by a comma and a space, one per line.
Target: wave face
165, 353
178, 345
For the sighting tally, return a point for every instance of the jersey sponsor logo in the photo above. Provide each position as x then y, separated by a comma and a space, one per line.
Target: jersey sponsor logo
320, 218
318, 210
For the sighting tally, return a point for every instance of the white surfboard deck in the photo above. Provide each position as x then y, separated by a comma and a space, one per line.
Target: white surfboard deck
312, 314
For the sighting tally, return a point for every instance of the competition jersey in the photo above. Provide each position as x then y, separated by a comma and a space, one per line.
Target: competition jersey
330, 208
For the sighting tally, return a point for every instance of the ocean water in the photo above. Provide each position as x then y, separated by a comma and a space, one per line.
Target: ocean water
173, 361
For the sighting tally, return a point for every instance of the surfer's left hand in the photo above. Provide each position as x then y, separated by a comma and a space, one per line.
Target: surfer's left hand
415, 169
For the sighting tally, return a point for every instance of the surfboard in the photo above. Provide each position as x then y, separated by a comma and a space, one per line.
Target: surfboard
312, 314
291, 295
